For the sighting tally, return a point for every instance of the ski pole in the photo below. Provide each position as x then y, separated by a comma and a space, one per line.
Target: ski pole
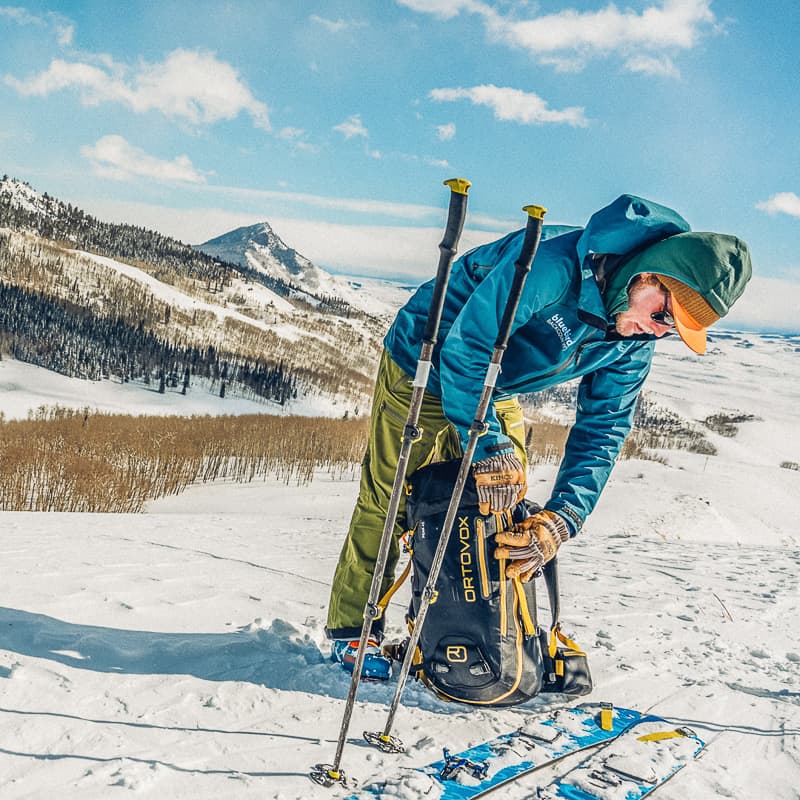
522, 267
331, 774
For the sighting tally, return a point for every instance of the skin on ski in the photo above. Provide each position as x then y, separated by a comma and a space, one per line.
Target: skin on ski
578, 728
631, 767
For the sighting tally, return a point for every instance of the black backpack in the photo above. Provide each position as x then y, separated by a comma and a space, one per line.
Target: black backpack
481, 642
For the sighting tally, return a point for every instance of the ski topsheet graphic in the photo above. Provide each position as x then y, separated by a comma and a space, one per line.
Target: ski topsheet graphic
538, 743
633, 766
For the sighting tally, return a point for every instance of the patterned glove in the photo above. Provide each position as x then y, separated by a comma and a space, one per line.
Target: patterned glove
531, 544
501, 482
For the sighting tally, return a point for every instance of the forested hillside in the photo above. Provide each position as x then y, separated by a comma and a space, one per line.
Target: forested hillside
99, 301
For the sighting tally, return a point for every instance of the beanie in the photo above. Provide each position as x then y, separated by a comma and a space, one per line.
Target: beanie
691, 312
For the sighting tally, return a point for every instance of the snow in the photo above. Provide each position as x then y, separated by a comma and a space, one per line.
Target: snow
175, 297
179, 653
22, 195
374, 296
24, 388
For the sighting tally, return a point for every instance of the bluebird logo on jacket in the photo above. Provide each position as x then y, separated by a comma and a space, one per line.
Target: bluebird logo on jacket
556, 322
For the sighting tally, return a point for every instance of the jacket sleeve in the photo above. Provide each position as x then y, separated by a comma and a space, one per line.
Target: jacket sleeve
468, 348
606, 404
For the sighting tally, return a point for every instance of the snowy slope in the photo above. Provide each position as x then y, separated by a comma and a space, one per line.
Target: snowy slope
174, 297
179, 653
22, 195
25, 388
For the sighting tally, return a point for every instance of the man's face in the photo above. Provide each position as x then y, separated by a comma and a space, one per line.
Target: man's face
645, 299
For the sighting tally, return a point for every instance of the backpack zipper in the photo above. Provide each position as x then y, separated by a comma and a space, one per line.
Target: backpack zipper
503, 612
480, 546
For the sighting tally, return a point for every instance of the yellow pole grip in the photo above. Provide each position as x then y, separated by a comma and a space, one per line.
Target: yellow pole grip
458, 185
537, 212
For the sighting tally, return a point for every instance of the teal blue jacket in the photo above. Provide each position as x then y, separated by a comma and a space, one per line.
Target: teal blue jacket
561, 331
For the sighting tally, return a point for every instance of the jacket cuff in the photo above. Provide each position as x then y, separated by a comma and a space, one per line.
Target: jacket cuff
492, 444
570, 516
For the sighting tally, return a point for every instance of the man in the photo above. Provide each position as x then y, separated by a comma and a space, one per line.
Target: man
594, 303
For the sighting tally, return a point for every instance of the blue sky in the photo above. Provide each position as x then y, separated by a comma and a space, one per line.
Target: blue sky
338, 121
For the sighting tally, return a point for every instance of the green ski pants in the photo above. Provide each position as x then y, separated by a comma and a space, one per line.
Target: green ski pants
439, 442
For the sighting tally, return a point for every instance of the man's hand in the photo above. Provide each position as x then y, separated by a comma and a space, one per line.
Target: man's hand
501, 482
531, 544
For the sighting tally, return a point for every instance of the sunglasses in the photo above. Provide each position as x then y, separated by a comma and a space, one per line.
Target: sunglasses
663, 317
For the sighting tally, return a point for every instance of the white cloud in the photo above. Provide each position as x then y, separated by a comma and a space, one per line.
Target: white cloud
65, 33
568, 38
352, 126
781, 203
446, 132
369, 249
441, 163
20, 15
652, 65
297, 139
306, 147
444, 9
768, 304
564, 64
62, 27
673, 23
291, 134
114, 157
513, 105
385, 208
338, 25
189, 84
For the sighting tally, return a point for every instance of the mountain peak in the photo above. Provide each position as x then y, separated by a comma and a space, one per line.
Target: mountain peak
259, 248
19, 194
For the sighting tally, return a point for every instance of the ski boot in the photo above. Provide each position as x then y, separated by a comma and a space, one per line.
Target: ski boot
376, 665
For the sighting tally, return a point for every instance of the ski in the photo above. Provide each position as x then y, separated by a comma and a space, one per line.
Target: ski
537, 744
632, 767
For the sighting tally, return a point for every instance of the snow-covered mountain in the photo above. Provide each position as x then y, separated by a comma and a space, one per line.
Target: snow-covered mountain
22, 195
259, 248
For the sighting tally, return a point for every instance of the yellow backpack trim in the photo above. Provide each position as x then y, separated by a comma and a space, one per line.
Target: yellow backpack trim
480, 545
503, 611
527, 621
386, 599
555, 636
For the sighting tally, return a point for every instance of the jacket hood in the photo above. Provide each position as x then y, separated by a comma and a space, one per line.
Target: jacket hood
628, 224
717, 266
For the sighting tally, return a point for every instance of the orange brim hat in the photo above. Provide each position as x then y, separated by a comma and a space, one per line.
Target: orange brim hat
691, 312
691, 331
